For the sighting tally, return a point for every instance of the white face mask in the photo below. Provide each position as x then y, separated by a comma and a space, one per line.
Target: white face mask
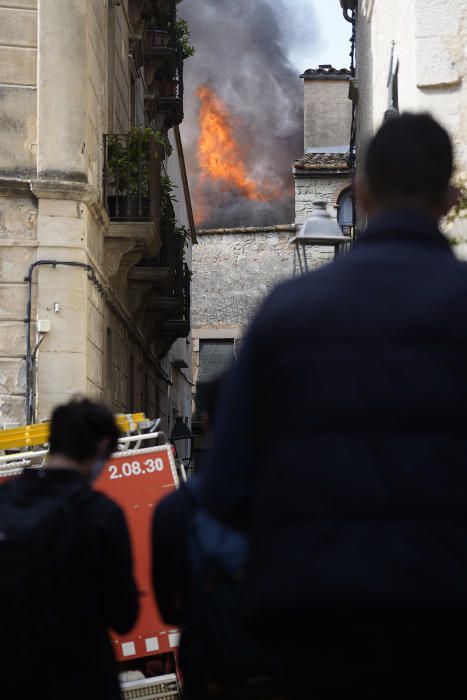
97, 468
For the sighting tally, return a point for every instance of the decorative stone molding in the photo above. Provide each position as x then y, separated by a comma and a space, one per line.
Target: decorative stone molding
114, 251
64, 189
74, 191
260, 230
144, 283
126, 243
139, 293
11, 186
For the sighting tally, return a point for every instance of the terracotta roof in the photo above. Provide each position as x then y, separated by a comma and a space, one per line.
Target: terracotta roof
325, 70
322, 161
283, 228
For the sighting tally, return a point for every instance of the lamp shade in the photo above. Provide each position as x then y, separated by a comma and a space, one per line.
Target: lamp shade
319, 229
180, 431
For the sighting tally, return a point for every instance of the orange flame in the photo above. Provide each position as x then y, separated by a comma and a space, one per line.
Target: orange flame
219, 155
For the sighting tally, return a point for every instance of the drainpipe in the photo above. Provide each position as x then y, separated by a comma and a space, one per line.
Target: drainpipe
31, 354
348, 8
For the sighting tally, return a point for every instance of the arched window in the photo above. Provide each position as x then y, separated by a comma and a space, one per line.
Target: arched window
345, 211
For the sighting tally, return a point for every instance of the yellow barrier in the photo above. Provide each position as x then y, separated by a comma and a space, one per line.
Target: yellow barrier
38, 434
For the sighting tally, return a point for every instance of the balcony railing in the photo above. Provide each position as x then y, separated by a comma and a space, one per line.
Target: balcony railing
160, 42
132, 176
170, 93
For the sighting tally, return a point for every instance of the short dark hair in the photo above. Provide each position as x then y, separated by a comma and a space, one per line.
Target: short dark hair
78, 427
410, 159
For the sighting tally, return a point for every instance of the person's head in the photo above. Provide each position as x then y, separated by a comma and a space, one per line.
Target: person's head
83, 435
409, 163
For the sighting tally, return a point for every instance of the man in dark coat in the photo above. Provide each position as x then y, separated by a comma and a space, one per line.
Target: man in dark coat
343, 445
60, 648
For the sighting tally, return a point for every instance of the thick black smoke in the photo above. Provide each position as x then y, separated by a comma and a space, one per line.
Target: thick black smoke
241, 53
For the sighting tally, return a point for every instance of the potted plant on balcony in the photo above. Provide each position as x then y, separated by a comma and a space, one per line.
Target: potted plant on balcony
165, 81
157, 29
127, 173
182, 36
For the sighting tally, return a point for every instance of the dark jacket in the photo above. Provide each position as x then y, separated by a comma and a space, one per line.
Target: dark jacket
170, 569
178, 585
173, 582
101, 593
343, 442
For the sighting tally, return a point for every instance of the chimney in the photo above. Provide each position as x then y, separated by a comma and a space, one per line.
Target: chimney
328, 110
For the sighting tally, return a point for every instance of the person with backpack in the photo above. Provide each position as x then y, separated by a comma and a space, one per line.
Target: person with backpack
199, 570
66, 572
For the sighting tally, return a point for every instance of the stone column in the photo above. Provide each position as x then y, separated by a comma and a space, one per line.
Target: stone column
62, 89
63, 220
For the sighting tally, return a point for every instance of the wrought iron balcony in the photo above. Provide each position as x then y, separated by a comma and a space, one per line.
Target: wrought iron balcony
169, 91
160, 43
132, 176
169, 306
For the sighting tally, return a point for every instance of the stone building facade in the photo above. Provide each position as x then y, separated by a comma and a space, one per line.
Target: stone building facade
90, 300
235, 269
323, 172
418, 64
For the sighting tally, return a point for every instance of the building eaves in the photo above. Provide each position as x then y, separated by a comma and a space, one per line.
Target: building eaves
254, 230
326, 72
322, 161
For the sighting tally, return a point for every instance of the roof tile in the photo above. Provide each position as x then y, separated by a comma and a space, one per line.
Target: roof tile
322, 161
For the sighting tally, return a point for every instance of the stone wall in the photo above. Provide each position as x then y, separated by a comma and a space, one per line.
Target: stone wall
313, 188
234, 269
18, 94
233, 272
327, 113
430, 48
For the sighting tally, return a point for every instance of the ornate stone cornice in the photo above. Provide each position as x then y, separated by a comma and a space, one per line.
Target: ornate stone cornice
125, 244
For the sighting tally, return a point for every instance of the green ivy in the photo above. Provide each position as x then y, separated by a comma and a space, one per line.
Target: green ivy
460, 210
182, 33
168, 220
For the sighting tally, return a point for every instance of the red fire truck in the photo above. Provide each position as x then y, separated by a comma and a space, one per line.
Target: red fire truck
142, 472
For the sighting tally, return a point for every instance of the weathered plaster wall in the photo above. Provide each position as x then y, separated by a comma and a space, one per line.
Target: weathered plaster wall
328, 113
430, 47
233, 272
18, 230
18, 94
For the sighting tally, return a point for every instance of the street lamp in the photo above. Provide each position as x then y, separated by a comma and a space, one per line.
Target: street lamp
181, 433
320, 229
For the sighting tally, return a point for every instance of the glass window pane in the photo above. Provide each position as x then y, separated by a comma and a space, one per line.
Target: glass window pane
215, 356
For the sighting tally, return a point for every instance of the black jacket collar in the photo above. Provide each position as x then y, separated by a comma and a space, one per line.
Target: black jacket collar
403, 225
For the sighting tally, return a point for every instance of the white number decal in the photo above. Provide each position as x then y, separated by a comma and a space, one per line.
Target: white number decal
126, 469
154, 465
159, 464
135, 468
150, 466
113, 471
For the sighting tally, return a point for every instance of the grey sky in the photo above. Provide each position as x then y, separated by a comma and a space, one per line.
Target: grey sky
321, 34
